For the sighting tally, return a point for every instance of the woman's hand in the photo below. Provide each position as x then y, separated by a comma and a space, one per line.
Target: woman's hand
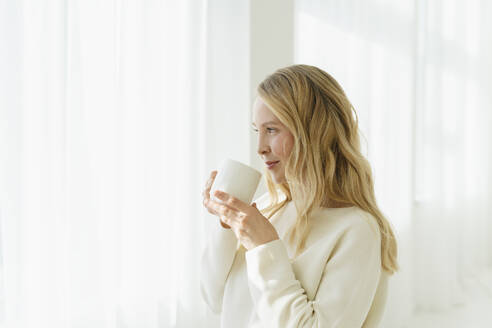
248, 224
206, 199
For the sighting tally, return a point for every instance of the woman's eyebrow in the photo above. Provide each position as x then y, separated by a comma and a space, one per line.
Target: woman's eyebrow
269, 122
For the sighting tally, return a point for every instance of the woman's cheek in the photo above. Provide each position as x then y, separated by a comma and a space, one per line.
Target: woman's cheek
286, 146
279, 147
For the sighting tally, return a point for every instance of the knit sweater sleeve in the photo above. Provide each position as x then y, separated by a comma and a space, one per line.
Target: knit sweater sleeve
216, 262
348, 283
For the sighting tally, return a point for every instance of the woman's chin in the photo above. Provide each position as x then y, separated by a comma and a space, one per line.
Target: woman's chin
278, 180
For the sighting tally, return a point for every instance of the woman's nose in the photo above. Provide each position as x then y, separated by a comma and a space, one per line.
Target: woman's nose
261, 152
262, 148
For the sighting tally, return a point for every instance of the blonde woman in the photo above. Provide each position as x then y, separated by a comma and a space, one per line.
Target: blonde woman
315, 250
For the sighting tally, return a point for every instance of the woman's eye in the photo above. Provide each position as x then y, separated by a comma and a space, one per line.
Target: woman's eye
268, 129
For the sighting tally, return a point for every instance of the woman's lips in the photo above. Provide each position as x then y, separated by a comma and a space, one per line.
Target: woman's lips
272, 165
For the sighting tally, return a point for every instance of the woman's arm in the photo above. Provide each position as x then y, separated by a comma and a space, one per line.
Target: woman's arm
216, 263
346, 289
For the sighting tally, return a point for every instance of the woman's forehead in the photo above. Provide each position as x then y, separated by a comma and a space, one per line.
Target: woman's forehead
262, 114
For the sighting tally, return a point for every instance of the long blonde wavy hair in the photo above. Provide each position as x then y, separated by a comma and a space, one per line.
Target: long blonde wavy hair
326, 161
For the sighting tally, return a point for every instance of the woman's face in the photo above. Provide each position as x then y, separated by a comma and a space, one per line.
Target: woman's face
274, 140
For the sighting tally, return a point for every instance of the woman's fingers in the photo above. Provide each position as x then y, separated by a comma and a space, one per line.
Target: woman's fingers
224, 225
206, 192
208, 185
208, 203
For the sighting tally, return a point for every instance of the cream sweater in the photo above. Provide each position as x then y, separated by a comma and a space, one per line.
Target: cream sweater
336, 282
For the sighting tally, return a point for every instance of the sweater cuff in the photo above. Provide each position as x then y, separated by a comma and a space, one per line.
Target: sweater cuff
224, 239
268, 264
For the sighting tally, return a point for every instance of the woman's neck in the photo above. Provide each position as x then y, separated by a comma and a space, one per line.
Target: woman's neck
334, 204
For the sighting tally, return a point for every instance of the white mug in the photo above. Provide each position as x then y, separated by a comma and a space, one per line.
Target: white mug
237, 179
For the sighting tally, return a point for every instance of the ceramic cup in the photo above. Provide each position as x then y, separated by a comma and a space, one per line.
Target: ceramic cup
237, 179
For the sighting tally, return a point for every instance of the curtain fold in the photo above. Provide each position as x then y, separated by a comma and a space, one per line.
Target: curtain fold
110, 114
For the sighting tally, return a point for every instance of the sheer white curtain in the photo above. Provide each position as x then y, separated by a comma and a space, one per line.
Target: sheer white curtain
419, 74
109, 127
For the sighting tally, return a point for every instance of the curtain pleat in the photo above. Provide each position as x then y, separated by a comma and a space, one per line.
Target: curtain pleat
109, 122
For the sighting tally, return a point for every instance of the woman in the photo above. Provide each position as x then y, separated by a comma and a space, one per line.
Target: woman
315, 250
